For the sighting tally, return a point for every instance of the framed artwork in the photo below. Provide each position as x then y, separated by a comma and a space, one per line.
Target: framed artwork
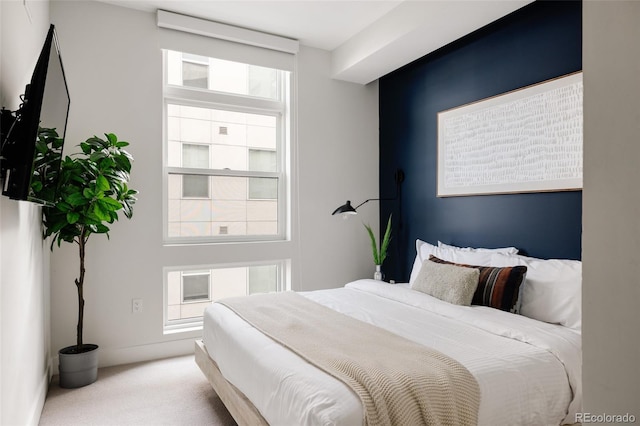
527, 140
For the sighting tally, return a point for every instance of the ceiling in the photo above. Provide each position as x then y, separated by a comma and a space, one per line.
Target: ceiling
367, 38
322, 24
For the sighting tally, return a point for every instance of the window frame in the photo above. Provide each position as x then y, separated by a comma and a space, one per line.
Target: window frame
201, 98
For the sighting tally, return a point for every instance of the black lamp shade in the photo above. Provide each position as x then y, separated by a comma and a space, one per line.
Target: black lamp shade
345, 209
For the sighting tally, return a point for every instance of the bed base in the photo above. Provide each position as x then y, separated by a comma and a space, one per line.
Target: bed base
241, 409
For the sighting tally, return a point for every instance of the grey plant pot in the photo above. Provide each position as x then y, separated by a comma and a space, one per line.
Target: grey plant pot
78, 369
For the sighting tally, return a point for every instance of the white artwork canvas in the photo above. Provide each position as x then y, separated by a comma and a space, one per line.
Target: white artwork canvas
527, 140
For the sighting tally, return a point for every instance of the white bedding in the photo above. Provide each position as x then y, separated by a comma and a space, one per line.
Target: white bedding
526, 369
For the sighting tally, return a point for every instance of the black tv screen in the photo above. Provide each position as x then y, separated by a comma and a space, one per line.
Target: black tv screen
32, 147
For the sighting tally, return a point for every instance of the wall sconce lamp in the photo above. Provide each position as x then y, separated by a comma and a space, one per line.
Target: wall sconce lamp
347, 209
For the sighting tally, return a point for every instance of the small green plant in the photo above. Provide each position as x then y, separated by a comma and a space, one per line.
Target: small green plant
91, 189
380, 255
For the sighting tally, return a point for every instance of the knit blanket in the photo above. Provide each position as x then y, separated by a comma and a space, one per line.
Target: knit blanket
399, 382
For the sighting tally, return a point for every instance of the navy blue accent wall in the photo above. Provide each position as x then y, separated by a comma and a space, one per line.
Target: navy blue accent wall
538, 42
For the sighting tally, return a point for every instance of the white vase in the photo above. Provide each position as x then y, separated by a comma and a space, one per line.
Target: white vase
378, 274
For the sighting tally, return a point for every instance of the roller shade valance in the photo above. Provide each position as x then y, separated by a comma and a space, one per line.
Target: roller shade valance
212, 39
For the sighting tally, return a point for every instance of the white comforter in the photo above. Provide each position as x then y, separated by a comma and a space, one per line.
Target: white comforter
528, 371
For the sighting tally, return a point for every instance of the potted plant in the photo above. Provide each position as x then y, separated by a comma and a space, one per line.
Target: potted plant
91, 191
379, 255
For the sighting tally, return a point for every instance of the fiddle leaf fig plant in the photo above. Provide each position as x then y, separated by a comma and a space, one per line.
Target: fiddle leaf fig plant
380, 255
91, 193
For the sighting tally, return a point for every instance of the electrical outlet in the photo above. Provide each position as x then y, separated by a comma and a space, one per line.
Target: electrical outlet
136, 306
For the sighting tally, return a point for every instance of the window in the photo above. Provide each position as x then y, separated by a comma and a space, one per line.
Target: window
195, 71
189, 291
196, 286
227, 156
225, 150
195, 156
261, 188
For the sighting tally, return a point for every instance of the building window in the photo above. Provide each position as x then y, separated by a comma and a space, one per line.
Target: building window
225, 150
188, 292
196, 286
197, 157
195, 71
263, 188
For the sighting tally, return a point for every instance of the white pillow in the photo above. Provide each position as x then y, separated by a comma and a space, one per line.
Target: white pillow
552, 289
424, 250
505, 250
453, 284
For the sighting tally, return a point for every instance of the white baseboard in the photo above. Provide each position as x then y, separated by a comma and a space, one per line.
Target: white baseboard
35, 411
148, 352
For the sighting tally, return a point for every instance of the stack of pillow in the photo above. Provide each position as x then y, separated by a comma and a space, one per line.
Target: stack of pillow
545, 290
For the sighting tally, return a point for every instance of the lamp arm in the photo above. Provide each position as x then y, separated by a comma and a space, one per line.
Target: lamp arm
347, 208
364, 202
399, 177
374, 199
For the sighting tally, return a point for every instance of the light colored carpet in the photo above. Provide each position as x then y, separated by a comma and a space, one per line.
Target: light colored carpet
172, 391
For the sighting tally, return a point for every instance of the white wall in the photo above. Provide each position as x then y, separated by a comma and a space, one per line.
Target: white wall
338, 161
24, 264
611, 197
113, 66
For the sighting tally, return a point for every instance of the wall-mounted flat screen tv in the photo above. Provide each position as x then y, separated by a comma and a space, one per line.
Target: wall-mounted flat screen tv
33, 136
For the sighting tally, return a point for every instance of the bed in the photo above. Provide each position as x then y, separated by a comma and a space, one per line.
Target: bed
528, 368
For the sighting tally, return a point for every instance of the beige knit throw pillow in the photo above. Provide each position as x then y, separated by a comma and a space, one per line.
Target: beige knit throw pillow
453, 284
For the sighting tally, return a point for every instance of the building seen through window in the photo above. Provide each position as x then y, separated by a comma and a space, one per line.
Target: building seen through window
226, 154
225, 149
189, 292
